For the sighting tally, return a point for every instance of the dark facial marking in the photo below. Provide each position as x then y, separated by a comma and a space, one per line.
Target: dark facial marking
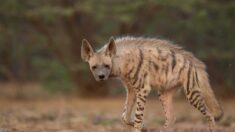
107, 66
94, 67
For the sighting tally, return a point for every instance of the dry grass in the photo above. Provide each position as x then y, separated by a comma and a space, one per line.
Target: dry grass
98, 115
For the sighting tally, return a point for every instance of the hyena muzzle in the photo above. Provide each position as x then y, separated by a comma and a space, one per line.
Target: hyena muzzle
143, 64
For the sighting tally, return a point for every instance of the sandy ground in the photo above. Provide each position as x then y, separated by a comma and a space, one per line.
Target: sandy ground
99, 115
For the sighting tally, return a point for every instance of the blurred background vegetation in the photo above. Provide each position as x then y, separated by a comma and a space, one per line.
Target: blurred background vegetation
40, 40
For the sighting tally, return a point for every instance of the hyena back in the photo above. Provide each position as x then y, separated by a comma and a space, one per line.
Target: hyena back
143, 64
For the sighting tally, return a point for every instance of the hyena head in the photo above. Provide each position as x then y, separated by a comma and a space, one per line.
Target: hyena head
100, 62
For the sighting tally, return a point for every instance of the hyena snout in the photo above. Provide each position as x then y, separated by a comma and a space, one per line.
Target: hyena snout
101, 77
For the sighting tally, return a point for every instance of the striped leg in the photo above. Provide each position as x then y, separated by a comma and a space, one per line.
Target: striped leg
196, 99
140, 104
166, 100
130, 101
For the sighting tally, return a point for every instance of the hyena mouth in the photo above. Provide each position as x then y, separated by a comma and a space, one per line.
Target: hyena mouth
100, 80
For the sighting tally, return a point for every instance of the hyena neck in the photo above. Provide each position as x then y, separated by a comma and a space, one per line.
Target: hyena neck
116, 68
121, 63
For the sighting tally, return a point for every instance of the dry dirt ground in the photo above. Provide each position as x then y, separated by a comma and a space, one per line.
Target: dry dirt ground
99, 115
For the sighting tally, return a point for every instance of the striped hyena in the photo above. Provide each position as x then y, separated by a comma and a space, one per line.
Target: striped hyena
143, 64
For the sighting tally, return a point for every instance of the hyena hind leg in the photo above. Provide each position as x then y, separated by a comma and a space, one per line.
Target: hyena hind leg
166, 98
196, 99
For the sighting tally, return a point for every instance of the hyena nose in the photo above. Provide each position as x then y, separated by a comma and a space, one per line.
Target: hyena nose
101, 76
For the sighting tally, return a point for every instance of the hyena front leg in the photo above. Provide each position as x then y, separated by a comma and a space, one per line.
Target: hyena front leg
166, 100
130, 101
140, 104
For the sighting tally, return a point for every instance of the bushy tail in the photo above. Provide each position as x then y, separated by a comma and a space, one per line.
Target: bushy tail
209, 96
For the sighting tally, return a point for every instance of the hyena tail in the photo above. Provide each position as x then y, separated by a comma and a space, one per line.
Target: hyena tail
209, 96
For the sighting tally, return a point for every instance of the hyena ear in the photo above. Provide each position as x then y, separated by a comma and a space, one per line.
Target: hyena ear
86, 50
111, 48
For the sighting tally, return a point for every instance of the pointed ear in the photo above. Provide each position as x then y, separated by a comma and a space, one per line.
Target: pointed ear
86, 50
111, 48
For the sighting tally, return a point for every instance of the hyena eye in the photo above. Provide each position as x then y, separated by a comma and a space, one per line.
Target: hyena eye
94, 67
106, 66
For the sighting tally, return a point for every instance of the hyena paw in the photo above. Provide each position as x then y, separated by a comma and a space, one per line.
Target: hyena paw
136, 130
126, 121
167, 129
140, 129
169, 122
